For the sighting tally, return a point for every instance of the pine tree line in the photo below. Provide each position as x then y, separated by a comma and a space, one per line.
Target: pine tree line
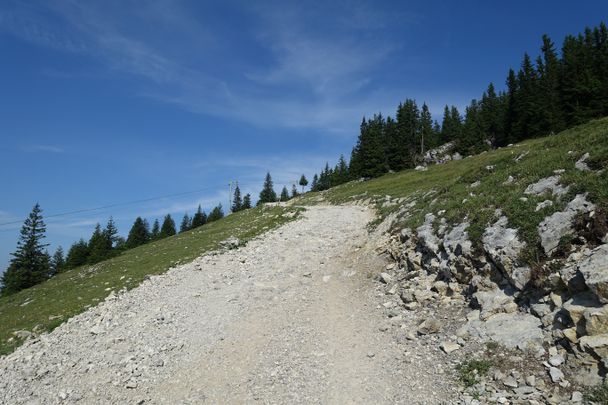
555, 92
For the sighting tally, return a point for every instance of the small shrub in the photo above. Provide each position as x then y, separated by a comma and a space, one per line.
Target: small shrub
470, 371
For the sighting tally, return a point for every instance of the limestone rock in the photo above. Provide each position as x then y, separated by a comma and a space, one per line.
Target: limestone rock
426, 235
456, 241
547, 184
493, 302
515, 330
503, 246
559, 224
429, 326
595, 272
581, 165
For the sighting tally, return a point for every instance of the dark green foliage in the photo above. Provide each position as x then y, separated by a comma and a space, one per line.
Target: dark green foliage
303, 182
315, 182
247, 201
100, 246
30, 264
597, 394
155, 233
139, 233
237, 201
77, 255
168, 227
426, 134
367, 159
58, 261
294, 191
284, 194
470, 371
186, 224
267, 194
199, 218
216, 213
111, 232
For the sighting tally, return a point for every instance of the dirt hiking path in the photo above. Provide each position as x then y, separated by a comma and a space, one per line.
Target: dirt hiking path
292, 317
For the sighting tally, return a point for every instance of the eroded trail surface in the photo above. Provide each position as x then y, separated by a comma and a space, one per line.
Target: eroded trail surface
292, 317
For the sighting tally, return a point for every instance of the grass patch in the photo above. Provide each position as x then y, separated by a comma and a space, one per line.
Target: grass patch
597, 394
47, 305
448, 186
470, 371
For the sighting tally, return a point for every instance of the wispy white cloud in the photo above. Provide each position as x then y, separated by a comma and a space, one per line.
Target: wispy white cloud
309, 79
43, 148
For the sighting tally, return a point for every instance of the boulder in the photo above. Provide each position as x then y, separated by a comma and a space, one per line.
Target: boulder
597, 344
581, 165
456, 242
547, 184
596, 320
503, 247
595, 272
230, 243
514, 330
426, 235
493, 302
576, 306
428, 326
559, 224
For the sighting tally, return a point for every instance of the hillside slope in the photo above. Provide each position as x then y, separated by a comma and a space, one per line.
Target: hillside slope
47, 305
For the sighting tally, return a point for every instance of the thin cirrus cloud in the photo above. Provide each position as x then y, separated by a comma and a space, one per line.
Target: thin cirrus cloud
307, 79
43, 148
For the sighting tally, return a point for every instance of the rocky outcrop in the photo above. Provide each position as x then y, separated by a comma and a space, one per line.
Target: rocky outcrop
553, 228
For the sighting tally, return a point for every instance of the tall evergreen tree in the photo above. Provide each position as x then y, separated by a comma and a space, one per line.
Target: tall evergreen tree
368, 157
186, 224
402, 148
139, 233
426, 134
199, 218
284, 194
247, 201
99, 246
77, 255
294, 191
216, 213
58, 261
30, 264
155, 233
267, 194
315, 183
551, 114
303, 182
491, 115
167, 228
237, 201
111, 233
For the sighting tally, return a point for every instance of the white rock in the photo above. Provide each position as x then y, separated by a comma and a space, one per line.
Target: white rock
556, 374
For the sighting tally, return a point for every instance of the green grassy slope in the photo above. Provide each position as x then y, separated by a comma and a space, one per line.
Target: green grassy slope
47, 305
448, 186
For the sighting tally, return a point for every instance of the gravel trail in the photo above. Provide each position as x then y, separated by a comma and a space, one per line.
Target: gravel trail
292, 317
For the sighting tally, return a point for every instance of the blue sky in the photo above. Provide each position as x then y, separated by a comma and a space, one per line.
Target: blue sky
110, 101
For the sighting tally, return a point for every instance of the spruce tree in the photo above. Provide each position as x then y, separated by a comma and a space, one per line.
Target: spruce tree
111, 233
30, 264
551, 114
267, 194
303, 182
155, 230
491, 115
284, 194
315, 183
247, 201
77, 255
186, 224
215, 214
426, 134
139, 234
199, 218
237, 202
99, 246
58, 261
167, 228
294, 191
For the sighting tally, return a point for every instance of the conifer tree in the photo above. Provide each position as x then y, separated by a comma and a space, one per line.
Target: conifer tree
303, 182
58, 261
315, 183
368, 158
139, 234
186, 224
491, 115
237, 202
167, 228
247, 201
215, 214
77, 255
551, 114
267, 194
155, 230
30, 264
99, 246
294, 191
111, 233
199, 218
284, 194
426, 133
